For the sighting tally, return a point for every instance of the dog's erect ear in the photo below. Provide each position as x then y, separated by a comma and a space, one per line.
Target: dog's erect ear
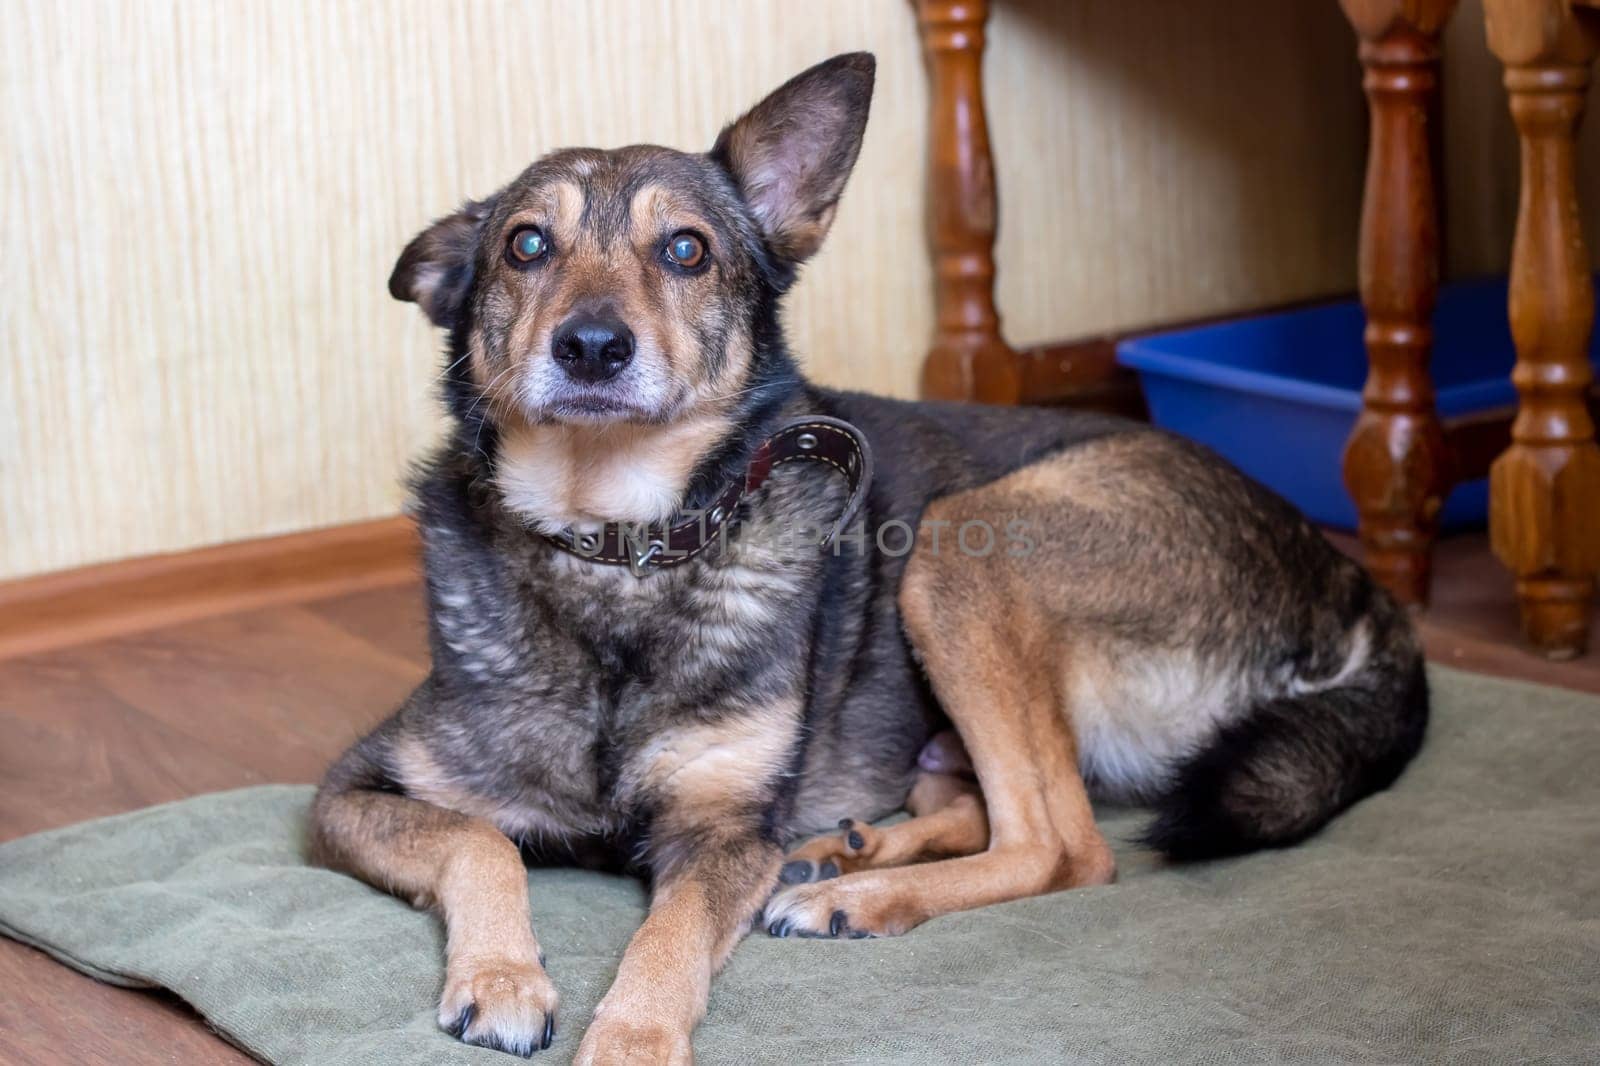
791, 153
435, 270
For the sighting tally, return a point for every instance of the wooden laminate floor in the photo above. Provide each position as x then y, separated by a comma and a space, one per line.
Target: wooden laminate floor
272, 693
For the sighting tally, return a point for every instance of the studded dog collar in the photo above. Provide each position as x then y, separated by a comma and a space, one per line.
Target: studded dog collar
646, 548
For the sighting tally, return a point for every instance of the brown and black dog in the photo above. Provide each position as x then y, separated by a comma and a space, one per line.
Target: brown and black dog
638, 662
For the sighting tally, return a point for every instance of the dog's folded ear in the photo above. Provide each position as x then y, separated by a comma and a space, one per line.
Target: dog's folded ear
435, 270
791, 153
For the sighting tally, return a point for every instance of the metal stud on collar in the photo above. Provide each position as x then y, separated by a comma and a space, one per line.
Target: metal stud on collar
639, 561
806, 441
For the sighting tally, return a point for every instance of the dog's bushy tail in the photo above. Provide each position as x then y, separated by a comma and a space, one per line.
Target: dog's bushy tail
1282, 771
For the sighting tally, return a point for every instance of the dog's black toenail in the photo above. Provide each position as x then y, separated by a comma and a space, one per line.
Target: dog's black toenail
856, 840
829, 869
541, 960
846, 823
837, 923
463, 1020
793, 873
549, 1032
860, 934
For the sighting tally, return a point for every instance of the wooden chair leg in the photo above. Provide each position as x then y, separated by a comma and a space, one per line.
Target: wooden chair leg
1395, 464
1544, 492
969, 359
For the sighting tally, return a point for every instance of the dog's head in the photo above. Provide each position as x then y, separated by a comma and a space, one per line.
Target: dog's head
638, 286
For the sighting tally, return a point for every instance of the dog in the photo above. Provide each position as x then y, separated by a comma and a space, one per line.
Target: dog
687, 608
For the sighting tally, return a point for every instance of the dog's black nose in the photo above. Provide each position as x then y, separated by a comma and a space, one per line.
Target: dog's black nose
592, 348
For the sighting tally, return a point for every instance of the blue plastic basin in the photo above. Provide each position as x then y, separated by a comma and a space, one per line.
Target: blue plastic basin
1278, 394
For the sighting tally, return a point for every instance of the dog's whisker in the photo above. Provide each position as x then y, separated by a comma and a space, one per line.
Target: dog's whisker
441, 375
773, 386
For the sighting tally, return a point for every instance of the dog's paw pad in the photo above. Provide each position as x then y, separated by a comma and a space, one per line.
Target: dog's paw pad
859, 838
825, 858
819, 860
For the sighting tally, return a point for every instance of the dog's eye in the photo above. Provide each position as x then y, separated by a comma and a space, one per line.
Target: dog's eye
527, 244
686, 250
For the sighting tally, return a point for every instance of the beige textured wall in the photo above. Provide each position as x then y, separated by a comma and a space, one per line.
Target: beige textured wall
201, 202
1170, 160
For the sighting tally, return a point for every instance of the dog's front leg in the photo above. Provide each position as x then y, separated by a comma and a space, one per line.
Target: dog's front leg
496, 993
708, 787
698, 912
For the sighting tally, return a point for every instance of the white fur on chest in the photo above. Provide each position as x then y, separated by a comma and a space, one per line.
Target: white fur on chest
575, 476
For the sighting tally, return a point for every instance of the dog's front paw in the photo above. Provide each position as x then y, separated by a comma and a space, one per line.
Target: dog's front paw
614, 1042
502, 1003
844, 907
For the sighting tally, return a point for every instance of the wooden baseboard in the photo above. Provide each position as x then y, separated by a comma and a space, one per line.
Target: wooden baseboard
96, 602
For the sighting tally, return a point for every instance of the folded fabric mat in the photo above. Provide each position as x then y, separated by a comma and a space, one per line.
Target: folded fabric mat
1455, 918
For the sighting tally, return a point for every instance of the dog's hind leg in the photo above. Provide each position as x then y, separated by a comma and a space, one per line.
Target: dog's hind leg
996, 666
496, 993
947, 820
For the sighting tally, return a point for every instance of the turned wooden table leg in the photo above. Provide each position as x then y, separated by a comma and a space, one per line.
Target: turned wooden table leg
969, 360
1544, 492
1395, 461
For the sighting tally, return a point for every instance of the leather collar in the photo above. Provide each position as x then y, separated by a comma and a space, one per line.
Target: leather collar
646, 548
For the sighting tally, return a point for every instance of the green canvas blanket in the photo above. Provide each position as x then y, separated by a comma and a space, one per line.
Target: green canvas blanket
1455, 918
